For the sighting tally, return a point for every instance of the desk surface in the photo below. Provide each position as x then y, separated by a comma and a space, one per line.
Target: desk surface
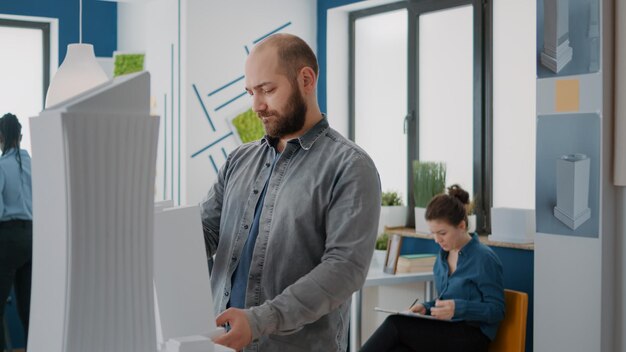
410, 232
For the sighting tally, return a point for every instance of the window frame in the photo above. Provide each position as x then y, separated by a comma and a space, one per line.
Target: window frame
45, 32
482, 111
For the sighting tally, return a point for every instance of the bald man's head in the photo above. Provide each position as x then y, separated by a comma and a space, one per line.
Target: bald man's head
293, 54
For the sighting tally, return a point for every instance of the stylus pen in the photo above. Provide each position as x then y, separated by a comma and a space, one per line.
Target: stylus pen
417, 299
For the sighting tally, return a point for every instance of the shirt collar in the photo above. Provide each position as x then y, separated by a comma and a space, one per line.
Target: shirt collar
307, 140
10, 152
468, 248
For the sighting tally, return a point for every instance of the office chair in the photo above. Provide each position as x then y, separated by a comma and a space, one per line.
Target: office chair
511, 335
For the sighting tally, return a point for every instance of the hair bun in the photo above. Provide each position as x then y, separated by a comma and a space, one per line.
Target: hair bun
459, 193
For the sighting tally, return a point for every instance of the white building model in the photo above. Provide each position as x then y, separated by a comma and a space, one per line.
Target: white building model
184, 304
556, 51
94, 160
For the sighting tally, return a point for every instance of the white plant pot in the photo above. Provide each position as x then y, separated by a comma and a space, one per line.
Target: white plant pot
420, 222
392, 216
378, 260
471, 223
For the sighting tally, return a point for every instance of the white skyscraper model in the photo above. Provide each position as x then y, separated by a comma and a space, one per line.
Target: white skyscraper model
184, 304
556, 51
94, 160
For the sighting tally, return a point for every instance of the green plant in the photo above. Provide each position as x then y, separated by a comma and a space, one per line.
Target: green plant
127, 63
381, 242
429, 179
391, 199
248, 126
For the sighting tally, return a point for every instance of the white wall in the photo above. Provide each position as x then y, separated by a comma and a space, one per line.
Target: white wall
337, 62
216, 52
620, 277
575, 278
568, 284
514, 122
213, 41
152, 28
618, 8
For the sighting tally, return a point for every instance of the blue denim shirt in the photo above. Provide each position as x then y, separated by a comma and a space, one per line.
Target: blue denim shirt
476, 286
240, 276
316, 236
16, 200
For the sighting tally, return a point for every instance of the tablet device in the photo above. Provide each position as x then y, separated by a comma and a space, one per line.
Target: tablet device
414, 315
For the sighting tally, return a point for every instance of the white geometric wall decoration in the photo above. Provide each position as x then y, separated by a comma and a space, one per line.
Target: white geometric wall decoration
93, 193
223, 96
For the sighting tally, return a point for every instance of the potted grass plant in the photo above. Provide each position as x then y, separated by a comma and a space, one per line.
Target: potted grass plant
429, 179
393, 212
380, 250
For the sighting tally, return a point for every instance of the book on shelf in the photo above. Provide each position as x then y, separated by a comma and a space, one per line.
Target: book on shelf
414, 263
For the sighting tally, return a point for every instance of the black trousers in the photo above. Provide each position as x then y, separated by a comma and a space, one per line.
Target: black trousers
16, 243
400, 333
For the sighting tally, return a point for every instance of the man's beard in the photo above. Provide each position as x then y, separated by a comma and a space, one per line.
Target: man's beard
291, 121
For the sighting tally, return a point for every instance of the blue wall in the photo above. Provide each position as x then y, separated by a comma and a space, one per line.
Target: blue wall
99, 21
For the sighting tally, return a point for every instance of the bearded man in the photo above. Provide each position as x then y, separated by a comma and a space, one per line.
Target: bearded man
292, 218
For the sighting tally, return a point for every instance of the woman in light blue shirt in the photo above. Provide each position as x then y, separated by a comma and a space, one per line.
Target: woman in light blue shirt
468, 277
16, 214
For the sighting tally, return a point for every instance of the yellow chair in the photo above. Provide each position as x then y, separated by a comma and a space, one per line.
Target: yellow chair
511, 335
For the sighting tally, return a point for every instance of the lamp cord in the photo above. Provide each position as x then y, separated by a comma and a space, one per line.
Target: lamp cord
80, 21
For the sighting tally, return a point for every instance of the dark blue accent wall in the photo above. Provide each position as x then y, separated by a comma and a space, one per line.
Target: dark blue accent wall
99, 21
322, 8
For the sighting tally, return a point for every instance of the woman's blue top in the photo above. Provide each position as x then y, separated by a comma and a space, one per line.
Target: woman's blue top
476, 286
16, 202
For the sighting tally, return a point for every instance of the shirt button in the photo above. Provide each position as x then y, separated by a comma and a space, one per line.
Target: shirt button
255, 191
245, 227
226, 293
267, 164
234, 259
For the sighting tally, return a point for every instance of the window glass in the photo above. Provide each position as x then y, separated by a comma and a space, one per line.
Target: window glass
446, 92
514, 104
21, 69
380, 95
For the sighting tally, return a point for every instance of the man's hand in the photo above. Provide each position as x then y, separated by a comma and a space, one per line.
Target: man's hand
443, 309
240, 334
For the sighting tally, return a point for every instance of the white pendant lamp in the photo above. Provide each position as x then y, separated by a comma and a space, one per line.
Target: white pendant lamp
79, 71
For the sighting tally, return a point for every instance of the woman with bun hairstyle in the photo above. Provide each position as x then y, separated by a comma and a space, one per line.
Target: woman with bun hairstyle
468, 278
16, 227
